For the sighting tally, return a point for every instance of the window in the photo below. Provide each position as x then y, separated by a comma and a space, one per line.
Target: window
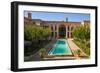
55, 27
68, 28
68, 34
51, 34
34, 22
71, 34
51, 27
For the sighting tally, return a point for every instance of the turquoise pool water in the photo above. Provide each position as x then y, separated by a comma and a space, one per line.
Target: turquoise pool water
61, 47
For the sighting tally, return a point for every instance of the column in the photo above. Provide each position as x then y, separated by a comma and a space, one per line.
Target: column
53, 31
57, 31
70, 32
66, 31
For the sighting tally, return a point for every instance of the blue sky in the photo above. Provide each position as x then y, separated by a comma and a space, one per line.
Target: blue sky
58, 16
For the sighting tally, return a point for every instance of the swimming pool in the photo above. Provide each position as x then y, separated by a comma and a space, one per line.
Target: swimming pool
61, 47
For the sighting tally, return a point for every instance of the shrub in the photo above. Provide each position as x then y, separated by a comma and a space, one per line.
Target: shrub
42, 52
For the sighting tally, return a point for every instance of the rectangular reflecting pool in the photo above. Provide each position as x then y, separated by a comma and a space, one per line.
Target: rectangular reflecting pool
61, 47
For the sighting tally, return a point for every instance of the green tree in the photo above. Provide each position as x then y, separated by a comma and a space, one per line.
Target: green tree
35, 35
36, 32
81, 35
29, 33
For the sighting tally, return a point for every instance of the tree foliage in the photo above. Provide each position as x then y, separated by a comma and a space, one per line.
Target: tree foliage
82, 33
35, 35
36, 32
81, 37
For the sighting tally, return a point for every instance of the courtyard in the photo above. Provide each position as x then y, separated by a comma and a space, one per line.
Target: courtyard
55, 40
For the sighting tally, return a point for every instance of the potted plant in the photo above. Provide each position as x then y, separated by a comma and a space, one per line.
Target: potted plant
42, 52
77, 52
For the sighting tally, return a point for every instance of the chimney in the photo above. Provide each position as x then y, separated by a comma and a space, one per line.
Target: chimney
30, 15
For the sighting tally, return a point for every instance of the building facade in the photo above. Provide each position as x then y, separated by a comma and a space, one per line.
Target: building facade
59, 28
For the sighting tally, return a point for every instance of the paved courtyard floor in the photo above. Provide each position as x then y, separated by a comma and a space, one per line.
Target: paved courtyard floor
74, 47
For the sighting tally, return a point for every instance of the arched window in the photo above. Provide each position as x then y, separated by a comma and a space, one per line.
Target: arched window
68, 34
68, 28
71, 34
51, 27
62, 31
55, 27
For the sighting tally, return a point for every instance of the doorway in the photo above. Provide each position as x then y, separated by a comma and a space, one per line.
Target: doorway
62, 31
